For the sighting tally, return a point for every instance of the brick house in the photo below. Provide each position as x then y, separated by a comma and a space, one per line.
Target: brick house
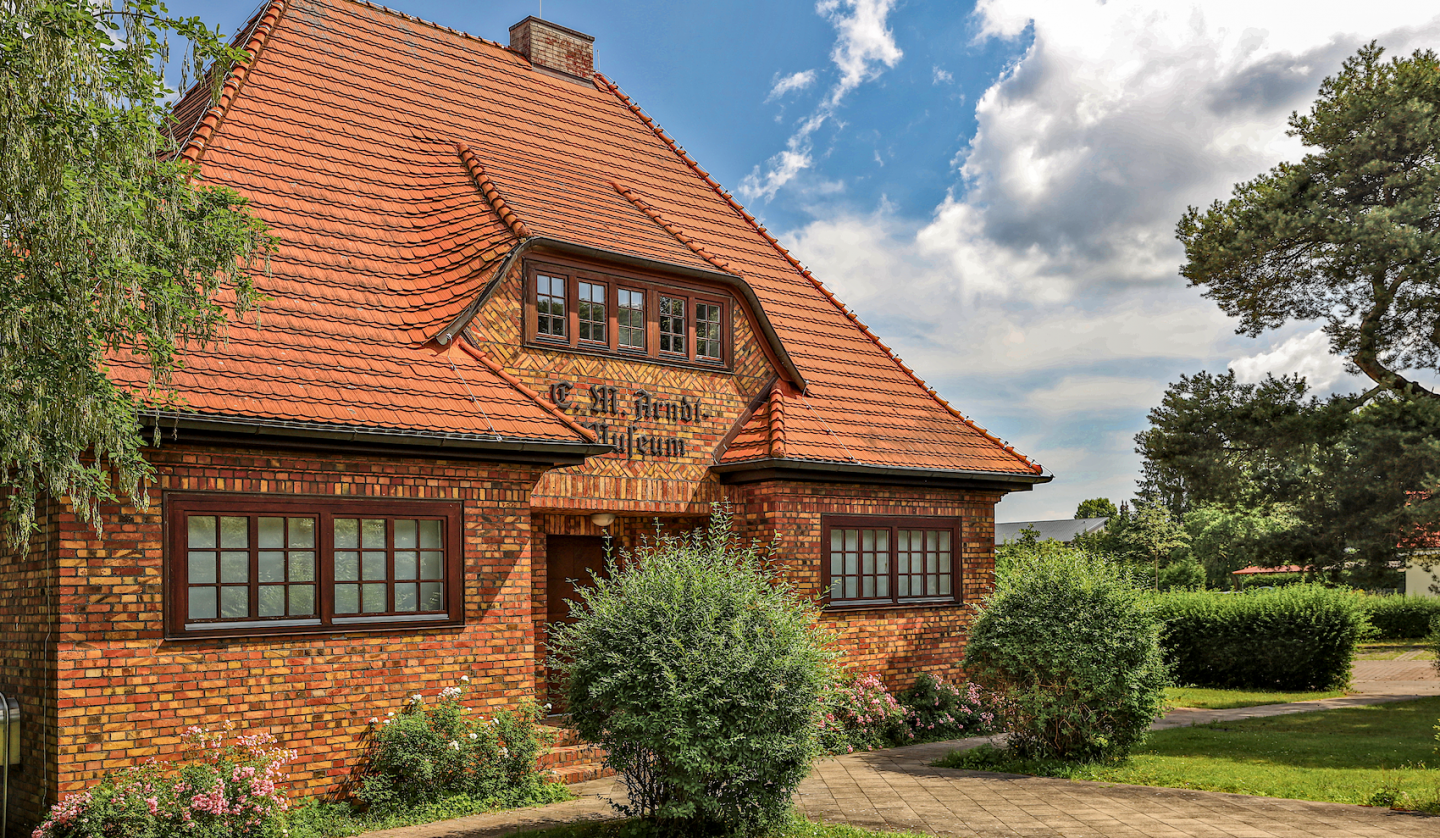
509, 316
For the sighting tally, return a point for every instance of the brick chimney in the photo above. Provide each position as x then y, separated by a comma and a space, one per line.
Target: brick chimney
554, 47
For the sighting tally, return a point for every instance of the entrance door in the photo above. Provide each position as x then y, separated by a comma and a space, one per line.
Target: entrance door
568, 562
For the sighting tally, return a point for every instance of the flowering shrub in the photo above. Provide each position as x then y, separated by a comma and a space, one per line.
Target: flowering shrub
936, 709
223, 788
861, 715
425, 753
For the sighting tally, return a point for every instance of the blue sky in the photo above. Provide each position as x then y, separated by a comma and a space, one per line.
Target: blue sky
993, 186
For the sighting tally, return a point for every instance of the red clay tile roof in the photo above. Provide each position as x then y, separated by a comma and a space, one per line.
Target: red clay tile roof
400, 161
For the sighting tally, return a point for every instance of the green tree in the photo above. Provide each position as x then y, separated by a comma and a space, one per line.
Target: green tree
1348, 236
110, 245
1096, 508
1225, 539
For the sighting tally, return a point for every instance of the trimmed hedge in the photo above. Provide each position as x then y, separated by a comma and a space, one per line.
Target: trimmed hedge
1302, 637
1401, 617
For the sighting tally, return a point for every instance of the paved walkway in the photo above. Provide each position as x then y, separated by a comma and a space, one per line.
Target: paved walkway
897, 789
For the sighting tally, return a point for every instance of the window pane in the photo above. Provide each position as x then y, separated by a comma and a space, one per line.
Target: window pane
405, 535
405, 597
944, 540
836, 586
302, 600
347, 566
852, 540
202, 531
882, 539
591, 312
347, 533
882, 586
375, 598
272, 566
630, 317
405, 564
431, 565
302, 566
372, 565
430, 535
201, 567
867, 590
234, 532
372, 533
234, 567
852, 564
851, 587
672, 325
707, 331
347, 599
904, 586
272, 600
944, 584
272, 532
302, 532
550, 305
234, 602
432, 596
202, 603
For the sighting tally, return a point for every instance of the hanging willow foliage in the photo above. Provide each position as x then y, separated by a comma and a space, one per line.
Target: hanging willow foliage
109, 245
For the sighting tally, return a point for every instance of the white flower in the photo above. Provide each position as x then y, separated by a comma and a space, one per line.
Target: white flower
495, 721
465, 679
504, 752
547, 707
454, 744
474, 735
374, 721
416, 698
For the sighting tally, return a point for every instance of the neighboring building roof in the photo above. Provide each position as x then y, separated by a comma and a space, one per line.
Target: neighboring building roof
1064, 529
400, 162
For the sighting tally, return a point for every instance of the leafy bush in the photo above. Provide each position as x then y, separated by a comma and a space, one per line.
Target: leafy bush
703, 675
1401, 617
860, 716
1301, 637
1072, 646
936, 709
223, 787
1433, 641
427, 753
1184, 575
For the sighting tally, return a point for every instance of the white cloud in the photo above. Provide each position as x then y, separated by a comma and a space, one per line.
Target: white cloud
864, 48
939, 76
1307, 354
791, 83
1043, 292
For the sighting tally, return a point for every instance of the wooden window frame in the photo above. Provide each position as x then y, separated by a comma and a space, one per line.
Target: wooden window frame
894, 524
324, 510
653, 288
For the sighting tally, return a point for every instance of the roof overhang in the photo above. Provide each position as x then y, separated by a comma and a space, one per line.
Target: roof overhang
734, 282
199, 429
813, 471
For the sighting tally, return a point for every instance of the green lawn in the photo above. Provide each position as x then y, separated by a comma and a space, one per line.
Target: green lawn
1376, 755
1226, 699
1389, 650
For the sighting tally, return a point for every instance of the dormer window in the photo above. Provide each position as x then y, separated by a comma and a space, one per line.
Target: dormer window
572, 307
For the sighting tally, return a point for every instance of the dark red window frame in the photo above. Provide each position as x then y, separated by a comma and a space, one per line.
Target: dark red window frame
652, 289
892, 526
324, 510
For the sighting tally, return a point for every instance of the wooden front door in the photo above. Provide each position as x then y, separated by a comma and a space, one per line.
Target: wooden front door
568, 562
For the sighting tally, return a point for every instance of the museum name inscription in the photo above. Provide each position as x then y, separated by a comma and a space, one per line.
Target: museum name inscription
616, 417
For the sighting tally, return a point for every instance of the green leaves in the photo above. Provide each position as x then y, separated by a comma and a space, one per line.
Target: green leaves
1350, 235
111, 248
701, 673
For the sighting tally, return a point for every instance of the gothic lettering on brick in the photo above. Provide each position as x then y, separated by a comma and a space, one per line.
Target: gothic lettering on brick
641, 406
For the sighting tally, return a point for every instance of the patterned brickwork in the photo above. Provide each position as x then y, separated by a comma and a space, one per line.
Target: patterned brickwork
897, 643
645, 484
28, 611
124, 693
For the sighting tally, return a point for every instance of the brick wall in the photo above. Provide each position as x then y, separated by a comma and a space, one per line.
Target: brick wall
123, 693
898, 643
554, 47
28, 611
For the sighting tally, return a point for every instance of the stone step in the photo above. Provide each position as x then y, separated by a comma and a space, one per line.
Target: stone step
564, 755
580, 773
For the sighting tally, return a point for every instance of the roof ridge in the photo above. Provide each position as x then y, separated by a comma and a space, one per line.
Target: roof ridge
479, 355
430, 23
670, 227
805, 272
777, 421
206, 125
491, 192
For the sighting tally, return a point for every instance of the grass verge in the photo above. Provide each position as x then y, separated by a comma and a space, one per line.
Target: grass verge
1378, 755
1389, 650
312, 818
795, 827
1208, 699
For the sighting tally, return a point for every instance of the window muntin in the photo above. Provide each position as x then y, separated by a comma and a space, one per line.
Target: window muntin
550, 306
672, 325
590, 312
707, 332
630, 318
622, 315
244, 565
877, 561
